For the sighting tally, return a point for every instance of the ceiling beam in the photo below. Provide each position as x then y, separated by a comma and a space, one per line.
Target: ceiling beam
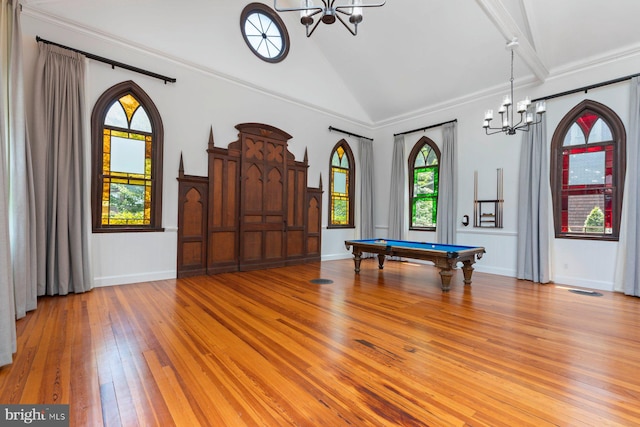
535, 31
508, 27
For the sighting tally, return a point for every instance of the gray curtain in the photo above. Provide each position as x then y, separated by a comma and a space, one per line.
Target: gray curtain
367, 185
533, 262
447, 187
7, 308
21, 194
58, 147
627, 275
397, 190
13, 156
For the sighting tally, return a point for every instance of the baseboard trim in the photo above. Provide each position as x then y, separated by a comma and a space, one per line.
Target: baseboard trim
583, 283
100, 282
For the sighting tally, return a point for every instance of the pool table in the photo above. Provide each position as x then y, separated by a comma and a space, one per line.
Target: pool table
445, 257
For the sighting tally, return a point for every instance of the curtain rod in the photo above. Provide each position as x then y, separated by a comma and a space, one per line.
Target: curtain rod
349, 133
586, 88
111, 62
426, 127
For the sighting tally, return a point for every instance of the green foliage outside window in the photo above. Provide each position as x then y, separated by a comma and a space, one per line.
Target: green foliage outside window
595, 221
126, 204
424, 213
424, 202
340, 212
425, 197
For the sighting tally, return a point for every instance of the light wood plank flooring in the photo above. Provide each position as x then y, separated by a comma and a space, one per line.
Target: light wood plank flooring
270, 348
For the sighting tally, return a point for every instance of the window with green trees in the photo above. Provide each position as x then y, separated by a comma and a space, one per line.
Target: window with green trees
341, 186
127, 161
587, 172
423, 184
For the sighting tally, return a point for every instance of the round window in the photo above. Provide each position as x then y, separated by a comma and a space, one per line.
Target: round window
264, 32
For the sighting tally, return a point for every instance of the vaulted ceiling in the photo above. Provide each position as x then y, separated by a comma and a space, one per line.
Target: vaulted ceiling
409, 57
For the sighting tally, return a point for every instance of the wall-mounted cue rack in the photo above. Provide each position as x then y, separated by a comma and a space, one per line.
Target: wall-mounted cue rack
488, 213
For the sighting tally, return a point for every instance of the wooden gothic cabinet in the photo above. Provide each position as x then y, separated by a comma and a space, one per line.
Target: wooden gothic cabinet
258, 211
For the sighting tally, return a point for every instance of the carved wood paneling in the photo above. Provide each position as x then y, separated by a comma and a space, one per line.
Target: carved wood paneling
192, 223
257, 210
263, 191
223, 244
314, 226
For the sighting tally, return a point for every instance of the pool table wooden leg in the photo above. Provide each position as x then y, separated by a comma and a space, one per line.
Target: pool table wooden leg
357, 257
446, 267
445, 277
467, 270
381, 261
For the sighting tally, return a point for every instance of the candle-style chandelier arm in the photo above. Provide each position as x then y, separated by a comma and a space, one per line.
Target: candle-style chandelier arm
327, 5
314, 27
318, 8
350, 6
353, 30
330, 13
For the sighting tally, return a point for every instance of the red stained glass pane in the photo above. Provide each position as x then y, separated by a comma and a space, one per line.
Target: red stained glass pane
565, 168
586, 122
608, 212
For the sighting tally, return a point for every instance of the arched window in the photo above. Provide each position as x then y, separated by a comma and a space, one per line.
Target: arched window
126, 139
424, 163
341, 185
587, 172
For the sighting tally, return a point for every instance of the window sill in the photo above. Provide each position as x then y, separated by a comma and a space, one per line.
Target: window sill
128, 229
586, 237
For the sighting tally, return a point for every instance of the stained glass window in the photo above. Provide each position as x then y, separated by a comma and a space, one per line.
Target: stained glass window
126, 171
341, 186
424, 167
588, 173
125, 182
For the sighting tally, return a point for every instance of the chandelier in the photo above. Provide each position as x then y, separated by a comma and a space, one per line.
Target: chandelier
507, 115
330, 12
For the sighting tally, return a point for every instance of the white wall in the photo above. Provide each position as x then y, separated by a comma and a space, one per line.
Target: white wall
189, 108
476, 151
201, 100
581, 263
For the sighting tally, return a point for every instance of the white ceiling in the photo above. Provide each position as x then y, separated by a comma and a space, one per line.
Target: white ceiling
410, 56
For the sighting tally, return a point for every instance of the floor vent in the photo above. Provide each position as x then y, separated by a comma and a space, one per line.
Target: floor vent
583, 292
321, 281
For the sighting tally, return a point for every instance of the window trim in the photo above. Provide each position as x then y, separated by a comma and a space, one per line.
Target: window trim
350, 188
284, 34
412, 160
619, 167
98, 116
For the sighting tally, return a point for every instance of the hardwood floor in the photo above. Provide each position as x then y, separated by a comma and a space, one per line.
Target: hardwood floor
270, 348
